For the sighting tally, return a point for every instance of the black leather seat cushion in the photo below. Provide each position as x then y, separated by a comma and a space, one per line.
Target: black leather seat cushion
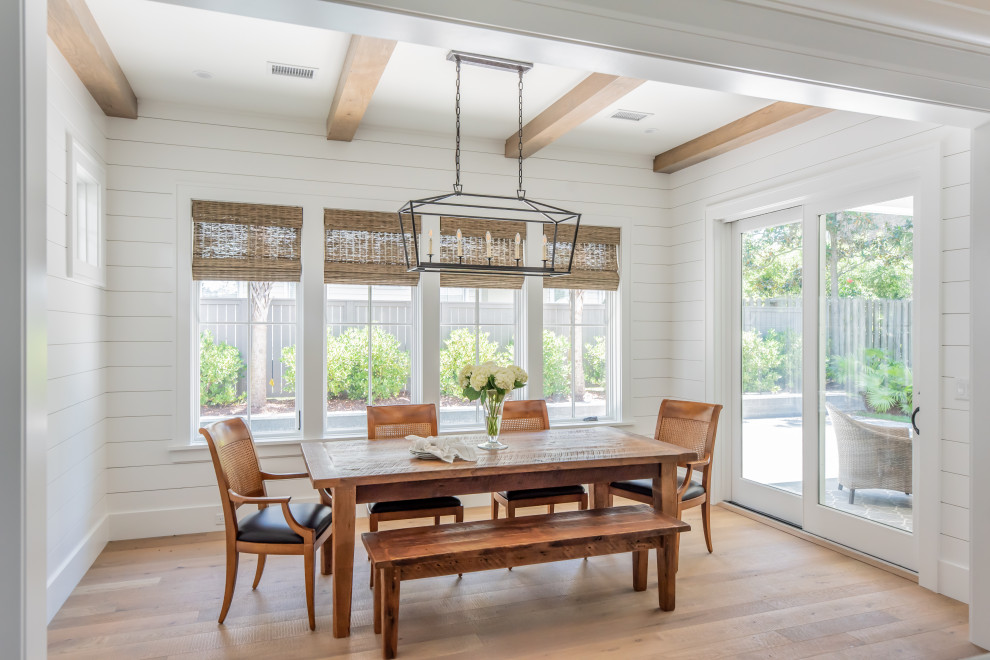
534, 493
268, 525
413, 505
645, 487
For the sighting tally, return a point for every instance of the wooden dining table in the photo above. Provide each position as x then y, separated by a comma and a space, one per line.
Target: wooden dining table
361, 471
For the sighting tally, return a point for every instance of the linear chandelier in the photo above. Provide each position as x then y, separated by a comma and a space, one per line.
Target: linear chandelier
501, 255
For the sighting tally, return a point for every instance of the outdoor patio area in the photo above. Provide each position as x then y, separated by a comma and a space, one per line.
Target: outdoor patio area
772, 456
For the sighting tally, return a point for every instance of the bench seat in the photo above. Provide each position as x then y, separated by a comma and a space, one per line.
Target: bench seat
419, 552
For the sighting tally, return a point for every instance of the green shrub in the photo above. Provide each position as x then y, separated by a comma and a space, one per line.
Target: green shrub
556, 364
347, 365
762, 357
459, 349
594, 362
220, 367
288, 358
887, 384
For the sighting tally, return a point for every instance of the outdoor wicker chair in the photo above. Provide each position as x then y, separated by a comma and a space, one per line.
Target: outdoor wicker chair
871, 455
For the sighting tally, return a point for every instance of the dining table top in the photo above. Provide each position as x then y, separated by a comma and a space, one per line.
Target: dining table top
335, 463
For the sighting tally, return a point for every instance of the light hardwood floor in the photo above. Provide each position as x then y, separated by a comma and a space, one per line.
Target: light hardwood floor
762, 594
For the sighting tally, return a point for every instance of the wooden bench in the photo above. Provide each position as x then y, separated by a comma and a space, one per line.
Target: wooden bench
419, 552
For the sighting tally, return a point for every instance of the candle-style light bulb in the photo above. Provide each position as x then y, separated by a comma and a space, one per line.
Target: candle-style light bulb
488, 244
517, 246
460, 244
544, 247
430, 249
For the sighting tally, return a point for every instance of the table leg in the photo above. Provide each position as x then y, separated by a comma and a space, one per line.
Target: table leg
599, 495
641, 560
344, 510
665, 501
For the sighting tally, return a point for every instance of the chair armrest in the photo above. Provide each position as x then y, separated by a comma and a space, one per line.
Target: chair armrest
301, 530
242, 499
283, 475
696, 464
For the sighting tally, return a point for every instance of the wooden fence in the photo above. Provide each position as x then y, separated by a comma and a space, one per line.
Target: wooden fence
854, 325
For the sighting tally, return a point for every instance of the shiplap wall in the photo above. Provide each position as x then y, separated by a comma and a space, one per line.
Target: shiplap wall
78, 363
154, 489
802, 152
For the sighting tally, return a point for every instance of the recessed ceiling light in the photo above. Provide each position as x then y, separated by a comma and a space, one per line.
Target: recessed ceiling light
651, 131
205, 75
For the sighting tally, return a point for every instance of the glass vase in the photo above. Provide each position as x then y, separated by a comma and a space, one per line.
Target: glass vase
492, 403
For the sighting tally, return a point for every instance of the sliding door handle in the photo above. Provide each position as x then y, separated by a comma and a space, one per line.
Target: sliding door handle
914, 415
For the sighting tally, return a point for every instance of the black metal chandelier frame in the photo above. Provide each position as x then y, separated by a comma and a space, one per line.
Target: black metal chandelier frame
473, 206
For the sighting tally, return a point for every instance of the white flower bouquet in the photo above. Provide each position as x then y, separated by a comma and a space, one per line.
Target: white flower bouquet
491, 383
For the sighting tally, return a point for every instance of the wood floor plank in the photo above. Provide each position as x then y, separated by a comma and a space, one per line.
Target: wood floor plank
762, 594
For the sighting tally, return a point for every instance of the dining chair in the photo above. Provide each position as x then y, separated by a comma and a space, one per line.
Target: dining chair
532, 415
279, 527
691, 425
385, 422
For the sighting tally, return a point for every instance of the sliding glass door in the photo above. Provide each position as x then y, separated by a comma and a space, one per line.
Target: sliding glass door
824, 358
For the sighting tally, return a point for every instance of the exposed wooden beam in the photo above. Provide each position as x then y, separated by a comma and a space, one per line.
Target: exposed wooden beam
75, 32
589, 97
363, 67
766, 121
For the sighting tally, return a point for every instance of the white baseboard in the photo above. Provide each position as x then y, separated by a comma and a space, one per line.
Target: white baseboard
953, 581
195, 520
64, 579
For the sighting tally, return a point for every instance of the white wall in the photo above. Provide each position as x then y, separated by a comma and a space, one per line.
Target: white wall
77, 357
172, 147
804, 151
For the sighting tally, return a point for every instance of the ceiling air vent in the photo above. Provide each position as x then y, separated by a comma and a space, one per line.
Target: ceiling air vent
292, 71
630, 115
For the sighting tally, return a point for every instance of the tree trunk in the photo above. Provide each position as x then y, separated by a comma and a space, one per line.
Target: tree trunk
260, 301
577, 350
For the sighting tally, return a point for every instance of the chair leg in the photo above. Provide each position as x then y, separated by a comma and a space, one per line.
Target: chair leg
641, 559
840, 486
510, 511
327, 554
436, 520
228, 594
261, 569
372, 527
706, 522
494, 507
852, 495
549, 508
583, 504
310, 587
459, 517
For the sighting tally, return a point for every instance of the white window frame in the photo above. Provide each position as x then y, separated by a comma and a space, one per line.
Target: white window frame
519, 349
83, 168
612, 351
196, 322
415, 395
311, 383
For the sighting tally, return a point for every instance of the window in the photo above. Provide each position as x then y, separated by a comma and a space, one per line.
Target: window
369, 355
246, 265
476, 325
86, 259
577, 353
247, 354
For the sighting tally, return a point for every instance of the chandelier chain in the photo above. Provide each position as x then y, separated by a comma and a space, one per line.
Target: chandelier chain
457, 149
519, 191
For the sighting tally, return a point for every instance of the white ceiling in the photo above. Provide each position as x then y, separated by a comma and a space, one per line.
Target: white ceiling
161, 46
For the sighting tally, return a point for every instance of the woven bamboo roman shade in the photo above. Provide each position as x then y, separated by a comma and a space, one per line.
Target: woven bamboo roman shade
255, 242
473, 235
596, 257
364, 247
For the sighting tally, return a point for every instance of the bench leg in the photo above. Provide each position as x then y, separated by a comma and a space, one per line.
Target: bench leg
666, 571
377, 597
641, 559
389, 580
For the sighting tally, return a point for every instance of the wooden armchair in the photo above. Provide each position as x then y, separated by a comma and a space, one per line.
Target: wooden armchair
278, 527
532, 416
690, 425
386, 422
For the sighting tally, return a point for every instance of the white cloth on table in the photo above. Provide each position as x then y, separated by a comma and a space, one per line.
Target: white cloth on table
446, 448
